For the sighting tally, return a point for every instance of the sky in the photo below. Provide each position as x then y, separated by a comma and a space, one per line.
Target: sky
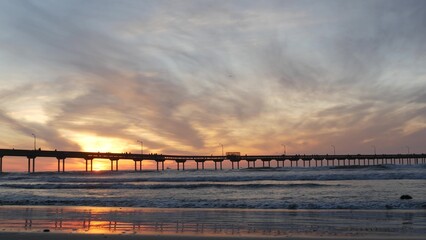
186, 76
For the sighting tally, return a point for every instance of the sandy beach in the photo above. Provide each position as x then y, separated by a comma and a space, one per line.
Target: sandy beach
53, 222
64, 236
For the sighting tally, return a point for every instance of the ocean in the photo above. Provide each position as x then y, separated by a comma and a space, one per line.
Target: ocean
367, 187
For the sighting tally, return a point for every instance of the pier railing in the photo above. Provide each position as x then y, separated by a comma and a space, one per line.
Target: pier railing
294, 160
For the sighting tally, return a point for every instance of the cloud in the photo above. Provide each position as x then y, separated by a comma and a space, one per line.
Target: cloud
44, 133
185, 76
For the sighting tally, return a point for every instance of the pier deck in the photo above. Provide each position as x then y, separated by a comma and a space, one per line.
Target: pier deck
306, 160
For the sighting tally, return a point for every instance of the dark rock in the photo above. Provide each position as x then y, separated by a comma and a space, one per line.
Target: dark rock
388, 206
405, 197
292, 206
46, 230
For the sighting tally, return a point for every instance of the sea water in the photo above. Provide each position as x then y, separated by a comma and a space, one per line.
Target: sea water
367, 187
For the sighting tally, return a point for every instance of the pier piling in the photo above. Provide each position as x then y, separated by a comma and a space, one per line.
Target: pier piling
29, 164
324, 160
63, 164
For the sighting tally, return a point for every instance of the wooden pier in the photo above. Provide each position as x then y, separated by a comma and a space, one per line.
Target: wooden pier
180, 160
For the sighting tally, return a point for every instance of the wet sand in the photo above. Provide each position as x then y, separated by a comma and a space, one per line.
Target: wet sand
64, 236
56, 222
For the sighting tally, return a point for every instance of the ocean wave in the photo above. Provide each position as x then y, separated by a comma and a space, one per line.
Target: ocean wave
217, 203
373, 187
379, 172
163, 186
297, 176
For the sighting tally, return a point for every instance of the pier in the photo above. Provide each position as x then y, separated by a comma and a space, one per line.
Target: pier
235, 160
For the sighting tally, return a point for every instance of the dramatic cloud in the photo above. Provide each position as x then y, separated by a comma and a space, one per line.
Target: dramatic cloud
184, 76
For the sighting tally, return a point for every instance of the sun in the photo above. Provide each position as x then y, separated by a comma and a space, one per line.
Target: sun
93, 143
99, 167
101, 144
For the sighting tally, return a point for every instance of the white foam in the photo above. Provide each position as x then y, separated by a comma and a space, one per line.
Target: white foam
305, 188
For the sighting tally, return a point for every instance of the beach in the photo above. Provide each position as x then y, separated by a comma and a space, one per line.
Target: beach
49, 222
41, 236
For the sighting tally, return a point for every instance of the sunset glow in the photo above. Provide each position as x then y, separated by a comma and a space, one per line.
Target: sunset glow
257, 76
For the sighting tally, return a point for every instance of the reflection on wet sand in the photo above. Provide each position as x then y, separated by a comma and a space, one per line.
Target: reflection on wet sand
212, 222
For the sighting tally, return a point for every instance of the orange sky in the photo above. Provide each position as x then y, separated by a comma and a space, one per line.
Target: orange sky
185, 77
